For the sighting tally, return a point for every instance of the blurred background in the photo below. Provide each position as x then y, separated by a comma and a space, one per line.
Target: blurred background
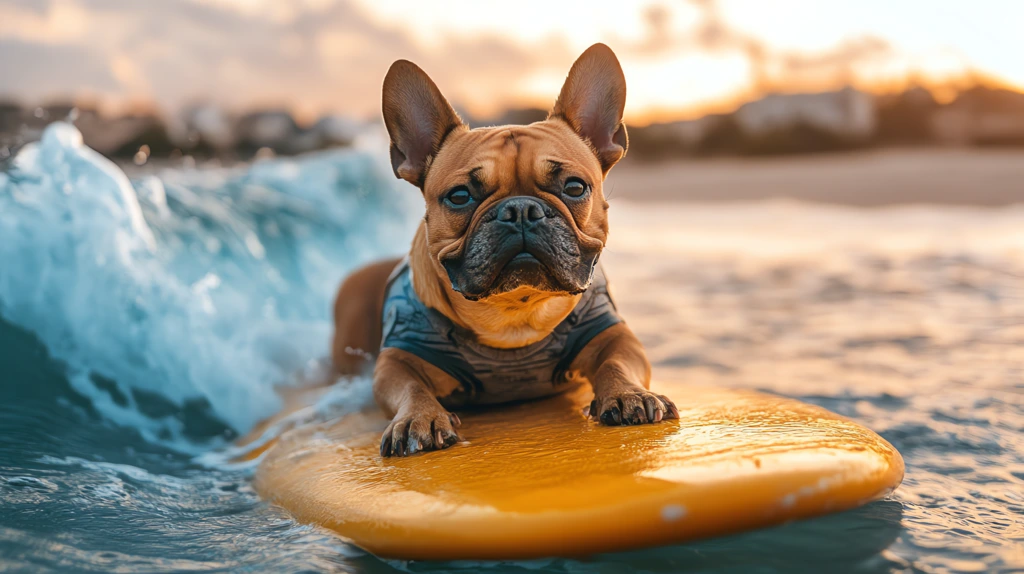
821, 200
200, 80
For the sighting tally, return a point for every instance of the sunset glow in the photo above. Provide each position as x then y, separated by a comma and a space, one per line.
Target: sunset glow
681, 59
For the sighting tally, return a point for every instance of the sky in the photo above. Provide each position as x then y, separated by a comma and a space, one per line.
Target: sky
682, 58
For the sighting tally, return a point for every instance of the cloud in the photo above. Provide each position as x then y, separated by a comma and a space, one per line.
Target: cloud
57, 70
771, 68
328, 56
320, 55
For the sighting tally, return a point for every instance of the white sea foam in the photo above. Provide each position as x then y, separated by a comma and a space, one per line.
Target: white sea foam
212, 285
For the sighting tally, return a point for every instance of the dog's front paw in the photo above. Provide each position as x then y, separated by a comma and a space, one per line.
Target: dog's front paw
410, 433
632, 407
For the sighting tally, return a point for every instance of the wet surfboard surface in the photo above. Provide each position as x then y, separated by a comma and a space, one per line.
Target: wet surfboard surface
540, 479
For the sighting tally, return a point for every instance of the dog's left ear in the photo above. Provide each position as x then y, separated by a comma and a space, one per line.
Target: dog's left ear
592, 101
418, 119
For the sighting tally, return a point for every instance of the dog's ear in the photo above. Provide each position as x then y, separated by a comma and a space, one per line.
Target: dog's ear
592, 101
417, 117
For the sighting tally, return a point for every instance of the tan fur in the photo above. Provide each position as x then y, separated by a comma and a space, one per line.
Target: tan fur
433, 149
511, 160
357, 311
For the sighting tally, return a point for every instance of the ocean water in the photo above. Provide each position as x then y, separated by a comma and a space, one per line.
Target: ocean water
144, 324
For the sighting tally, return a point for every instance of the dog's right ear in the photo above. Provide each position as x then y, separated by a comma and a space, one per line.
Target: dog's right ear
592, 101
418, 119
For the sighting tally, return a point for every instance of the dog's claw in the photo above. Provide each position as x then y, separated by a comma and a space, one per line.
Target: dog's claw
672, 409
408, 435
612, 417
651, 410
632, 408
639, 417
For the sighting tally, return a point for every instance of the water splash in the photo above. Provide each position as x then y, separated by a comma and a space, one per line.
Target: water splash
201, 289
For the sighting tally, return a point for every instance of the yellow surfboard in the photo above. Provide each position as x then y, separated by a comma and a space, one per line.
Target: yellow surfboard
539, 479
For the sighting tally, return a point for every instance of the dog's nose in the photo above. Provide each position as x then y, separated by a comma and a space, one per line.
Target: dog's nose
520, 210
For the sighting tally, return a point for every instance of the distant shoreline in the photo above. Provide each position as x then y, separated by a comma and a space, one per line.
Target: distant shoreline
870, 178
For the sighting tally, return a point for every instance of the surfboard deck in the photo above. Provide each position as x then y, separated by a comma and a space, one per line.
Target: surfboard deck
540, 479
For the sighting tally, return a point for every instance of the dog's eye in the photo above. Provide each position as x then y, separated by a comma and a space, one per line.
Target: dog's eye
575, 187
459, 197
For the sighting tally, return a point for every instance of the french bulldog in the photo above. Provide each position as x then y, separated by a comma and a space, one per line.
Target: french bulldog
501, 297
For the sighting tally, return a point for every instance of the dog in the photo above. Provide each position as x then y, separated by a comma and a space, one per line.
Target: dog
501, 297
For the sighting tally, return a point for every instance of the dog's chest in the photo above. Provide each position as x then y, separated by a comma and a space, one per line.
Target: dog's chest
506, 375
489, 375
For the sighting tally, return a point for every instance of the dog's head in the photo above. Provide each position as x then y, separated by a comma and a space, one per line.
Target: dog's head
512, 206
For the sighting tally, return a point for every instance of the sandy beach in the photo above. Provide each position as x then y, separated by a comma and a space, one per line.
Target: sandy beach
866, 179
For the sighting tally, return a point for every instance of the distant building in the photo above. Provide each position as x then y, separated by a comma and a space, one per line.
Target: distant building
278, 131
336, 131
688, 132
273, 129
982, 116
906, 118
203, 130
673, 139
848, 114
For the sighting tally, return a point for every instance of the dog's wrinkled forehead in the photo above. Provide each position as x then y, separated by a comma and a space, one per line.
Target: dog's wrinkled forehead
512, 160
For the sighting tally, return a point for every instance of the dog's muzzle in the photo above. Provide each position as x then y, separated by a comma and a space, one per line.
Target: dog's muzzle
521, 241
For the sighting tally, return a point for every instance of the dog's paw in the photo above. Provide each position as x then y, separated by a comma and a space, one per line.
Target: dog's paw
411, 433
632, 407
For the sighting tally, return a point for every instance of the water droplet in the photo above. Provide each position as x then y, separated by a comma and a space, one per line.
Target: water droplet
672, 512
